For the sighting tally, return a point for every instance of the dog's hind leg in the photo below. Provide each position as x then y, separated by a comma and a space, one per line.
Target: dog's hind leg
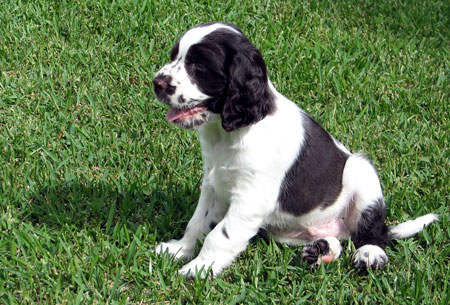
371, 237
368, 232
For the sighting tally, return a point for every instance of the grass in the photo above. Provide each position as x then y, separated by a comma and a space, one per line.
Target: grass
92, 176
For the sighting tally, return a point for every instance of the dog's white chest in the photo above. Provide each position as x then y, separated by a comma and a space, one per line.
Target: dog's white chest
222, 178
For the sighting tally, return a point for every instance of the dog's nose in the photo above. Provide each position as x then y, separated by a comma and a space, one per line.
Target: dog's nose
160, 83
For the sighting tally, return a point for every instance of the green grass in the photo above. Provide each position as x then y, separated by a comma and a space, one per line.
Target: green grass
92, 176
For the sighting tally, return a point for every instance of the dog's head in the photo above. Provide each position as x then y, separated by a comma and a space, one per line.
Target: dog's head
214, 72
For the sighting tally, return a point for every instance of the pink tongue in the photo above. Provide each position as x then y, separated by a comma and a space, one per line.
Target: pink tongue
173, 114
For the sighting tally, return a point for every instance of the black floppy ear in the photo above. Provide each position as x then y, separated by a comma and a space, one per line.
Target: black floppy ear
248, 98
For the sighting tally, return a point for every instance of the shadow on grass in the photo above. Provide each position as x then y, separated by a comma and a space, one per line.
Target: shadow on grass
101, 205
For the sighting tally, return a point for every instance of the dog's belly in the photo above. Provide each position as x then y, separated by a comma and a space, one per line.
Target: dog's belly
306, 234
337, 220
336, 228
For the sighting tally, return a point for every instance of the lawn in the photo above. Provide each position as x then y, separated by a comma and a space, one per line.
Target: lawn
92, 176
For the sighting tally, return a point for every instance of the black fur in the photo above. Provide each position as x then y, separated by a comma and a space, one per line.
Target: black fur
248, 98
371, 228
227, 67
311, 252
204, 64
315, 178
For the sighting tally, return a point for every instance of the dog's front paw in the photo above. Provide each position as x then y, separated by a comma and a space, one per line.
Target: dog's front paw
175, 248
199, 268
370, 256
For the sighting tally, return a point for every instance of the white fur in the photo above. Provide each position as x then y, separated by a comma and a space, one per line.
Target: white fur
412, 227
176, 248
335, 246
370, 256
196, 34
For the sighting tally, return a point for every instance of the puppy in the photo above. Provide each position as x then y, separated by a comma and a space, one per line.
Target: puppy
267, 164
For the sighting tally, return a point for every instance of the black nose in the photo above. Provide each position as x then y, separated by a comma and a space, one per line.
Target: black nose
162, 83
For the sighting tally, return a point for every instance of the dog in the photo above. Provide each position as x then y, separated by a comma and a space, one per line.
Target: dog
267, 164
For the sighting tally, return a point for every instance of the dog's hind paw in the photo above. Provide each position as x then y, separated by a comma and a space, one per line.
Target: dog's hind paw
370, 256
323, 250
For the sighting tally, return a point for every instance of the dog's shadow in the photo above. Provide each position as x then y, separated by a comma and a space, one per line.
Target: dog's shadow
102, 205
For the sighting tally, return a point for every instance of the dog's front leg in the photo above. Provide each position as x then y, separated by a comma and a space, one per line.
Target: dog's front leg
229, 238
207, 214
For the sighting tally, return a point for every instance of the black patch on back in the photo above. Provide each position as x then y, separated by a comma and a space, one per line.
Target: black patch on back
371, 228
315, 178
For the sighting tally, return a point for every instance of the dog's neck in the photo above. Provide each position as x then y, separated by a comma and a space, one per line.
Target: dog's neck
213, 133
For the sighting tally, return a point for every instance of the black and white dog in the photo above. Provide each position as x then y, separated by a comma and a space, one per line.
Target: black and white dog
267, 164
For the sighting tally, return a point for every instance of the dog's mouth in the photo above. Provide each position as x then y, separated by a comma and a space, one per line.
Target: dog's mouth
182, 115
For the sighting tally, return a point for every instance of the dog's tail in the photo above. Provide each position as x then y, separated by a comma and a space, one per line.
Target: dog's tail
411, 227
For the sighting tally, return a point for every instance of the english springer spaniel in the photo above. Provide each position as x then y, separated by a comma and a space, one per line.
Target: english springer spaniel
267, 164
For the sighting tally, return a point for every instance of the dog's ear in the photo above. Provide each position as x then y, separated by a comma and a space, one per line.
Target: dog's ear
248, 98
